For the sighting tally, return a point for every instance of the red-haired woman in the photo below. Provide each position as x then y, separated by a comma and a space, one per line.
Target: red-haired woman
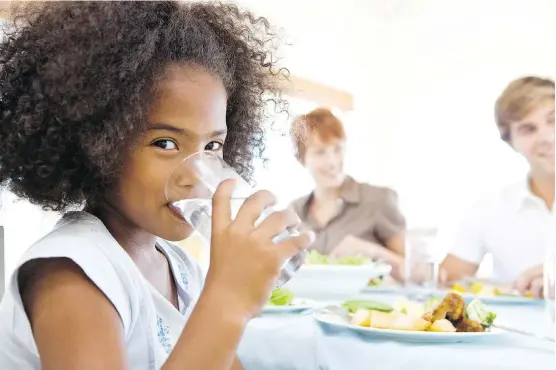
349, 218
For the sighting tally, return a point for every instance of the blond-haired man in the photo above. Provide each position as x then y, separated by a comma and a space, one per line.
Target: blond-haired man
514, 224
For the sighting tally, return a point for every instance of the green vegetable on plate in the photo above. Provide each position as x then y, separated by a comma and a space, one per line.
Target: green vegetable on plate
354, 305
281, 297
478, 311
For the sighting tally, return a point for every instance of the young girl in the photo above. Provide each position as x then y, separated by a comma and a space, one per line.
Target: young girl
100, 101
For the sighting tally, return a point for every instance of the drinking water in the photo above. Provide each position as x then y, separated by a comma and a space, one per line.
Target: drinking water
198, 213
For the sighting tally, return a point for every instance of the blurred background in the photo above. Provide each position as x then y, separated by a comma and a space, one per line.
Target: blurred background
414, 82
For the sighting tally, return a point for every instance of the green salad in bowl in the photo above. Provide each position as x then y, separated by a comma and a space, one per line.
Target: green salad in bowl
315, 258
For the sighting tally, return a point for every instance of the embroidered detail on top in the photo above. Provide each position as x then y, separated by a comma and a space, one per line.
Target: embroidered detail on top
163, 331
184, 279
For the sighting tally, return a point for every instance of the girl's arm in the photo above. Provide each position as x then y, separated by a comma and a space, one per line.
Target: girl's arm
76, 327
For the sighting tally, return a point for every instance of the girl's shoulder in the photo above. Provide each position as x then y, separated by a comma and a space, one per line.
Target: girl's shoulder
83, 239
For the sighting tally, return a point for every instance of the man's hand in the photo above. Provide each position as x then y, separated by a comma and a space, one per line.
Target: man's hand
453, 269
530, 282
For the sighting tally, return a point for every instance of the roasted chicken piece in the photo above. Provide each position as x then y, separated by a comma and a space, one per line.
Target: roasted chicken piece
452, 308
468, 325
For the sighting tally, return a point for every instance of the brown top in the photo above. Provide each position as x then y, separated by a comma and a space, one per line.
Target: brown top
367, 212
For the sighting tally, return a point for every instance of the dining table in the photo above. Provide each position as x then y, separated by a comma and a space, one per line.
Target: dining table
298, 342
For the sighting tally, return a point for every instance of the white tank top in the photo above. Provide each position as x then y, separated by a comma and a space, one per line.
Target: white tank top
151, 323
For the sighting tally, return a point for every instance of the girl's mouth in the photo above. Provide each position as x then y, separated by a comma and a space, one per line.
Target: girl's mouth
175, 210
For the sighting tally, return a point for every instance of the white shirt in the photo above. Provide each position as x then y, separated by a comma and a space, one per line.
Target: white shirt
513, 225
152, 325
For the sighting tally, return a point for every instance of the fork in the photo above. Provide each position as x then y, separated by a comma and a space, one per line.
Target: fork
523, 332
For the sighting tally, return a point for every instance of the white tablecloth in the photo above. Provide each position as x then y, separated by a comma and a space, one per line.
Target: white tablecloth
298, 343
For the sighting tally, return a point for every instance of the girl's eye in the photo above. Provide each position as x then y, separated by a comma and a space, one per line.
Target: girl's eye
165, 144
214, 146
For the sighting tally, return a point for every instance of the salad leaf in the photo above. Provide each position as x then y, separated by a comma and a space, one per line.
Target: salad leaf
478, 311
315, 258
354, 305
356, 261
281, 297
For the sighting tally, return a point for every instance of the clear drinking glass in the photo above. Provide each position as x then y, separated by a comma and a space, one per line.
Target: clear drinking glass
421, 270
191, 187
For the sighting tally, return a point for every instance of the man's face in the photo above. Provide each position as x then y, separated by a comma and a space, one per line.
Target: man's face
533, 137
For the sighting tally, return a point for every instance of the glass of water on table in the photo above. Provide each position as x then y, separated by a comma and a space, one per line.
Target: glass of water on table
420, 270
190, 189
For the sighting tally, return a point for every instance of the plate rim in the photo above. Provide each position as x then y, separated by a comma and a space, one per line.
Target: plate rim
302, 306
286, 308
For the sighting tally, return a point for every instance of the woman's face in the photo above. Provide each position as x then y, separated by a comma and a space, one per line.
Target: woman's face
533, 137
188, 116
325, 161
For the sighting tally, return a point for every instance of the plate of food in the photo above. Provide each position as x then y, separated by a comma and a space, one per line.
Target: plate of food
323, 277
447, 320
283, 301
491, 293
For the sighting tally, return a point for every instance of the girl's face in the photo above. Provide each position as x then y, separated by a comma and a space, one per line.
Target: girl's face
188, 116
533, 137
325, 161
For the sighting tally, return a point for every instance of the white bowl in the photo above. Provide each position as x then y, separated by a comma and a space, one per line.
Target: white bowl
333, 282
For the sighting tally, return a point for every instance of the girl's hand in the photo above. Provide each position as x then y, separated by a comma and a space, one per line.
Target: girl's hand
244, 261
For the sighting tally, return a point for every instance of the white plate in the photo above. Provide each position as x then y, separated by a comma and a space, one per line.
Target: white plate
493, 300
336, 322
503, 299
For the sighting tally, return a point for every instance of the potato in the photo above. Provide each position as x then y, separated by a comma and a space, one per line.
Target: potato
361, 317
403, 323
410, 323
442, 326
421, 324
382, 320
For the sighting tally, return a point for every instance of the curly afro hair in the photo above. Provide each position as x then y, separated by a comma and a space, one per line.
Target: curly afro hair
75, 78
